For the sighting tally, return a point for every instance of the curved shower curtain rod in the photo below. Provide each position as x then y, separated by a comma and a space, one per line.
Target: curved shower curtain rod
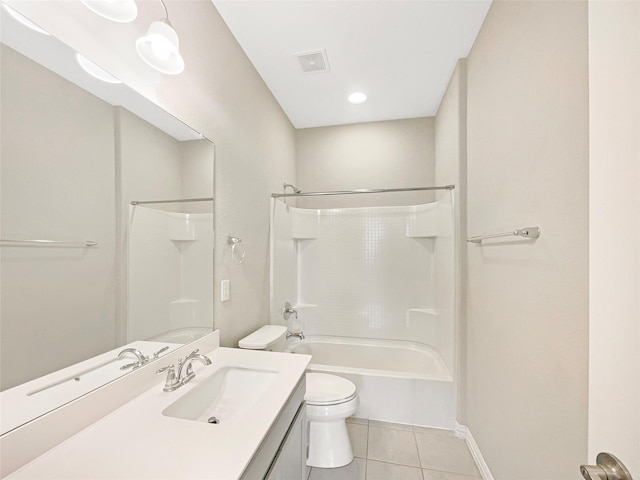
352, 192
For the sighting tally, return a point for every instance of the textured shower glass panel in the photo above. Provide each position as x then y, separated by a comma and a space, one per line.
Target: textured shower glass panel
360, 272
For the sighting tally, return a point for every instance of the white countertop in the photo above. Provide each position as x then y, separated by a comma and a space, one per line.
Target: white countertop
137, 442
23, 403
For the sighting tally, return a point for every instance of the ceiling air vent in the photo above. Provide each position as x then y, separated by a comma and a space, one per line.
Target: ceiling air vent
316, 61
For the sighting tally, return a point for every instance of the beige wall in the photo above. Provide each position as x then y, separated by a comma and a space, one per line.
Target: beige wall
222, 96
197, 169
392, 154
614, 231
150, 163
57, 302
528, 301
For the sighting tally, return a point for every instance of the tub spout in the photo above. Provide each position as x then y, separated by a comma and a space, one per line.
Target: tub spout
299, 334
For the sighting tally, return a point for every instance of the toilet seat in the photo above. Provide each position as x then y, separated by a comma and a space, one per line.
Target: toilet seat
330, 400
324, 389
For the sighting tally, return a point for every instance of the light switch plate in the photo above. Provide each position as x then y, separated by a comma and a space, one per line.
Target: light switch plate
224, 290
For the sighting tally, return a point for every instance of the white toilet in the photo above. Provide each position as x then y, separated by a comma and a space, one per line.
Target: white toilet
330, 400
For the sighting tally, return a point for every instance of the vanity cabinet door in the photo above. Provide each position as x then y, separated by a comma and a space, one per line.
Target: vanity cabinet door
290, 461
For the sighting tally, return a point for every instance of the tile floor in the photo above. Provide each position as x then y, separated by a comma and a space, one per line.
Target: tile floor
389, 451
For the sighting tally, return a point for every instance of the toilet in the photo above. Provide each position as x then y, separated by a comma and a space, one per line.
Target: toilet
330, 400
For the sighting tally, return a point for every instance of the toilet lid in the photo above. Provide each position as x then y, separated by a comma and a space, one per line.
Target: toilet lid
325, 389
264, 337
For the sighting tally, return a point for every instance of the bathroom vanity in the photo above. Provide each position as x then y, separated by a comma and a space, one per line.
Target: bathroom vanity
241, 417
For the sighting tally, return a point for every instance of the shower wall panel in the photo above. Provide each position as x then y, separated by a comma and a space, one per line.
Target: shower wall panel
170, 272
284, 263
365, 275
375, 272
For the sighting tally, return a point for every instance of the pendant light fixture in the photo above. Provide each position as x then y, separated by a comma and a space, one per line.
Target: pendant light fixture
122, 11
160, 47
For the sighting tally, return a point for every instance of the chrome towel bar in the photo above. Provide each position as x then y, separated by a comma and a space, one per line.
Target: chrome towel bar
527, 232
84, 243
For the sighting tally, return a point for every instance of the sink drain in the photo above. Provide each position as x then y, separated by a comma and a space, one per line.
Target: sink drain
213, 420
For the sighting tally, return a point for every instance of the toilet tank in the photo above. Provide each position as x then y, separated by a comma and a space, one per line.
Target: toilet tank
269, 337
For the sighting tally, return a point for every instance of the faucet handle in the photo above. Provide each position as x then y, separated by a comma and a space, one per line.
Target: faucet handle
171, 382
133, 365
164, 369
288, 310
162, 350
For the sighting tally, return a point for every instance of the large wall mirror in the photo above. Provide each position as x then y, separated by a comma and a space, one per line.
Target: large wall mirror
106, 227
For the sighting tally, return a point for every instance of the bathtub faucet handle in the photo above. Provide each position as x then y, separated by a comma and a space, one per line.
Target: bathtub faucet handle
288, 310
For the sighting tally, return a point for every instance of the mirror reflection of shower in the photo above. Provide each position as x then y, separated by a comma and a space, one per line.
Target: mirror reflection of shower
170, 270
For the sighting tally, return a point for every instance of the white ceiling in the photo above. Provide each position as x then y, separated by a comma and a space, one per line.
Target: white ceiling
400, 53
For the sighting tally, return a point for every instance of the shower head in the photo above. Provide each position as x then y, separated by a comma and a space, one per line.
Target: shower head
293, 187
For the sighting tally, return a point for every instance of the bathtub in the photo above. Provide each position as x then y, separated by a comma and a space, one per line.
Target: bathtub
397, 381
182, 335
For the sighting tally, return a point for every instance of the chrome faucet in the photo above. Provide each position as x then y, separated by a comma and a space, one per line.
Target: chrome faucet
299, 334
188, 369
185, 371
141, 359
287, 311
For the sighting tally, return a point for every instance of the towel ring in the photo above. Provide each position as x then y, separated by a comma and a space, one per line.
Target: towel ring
237, 250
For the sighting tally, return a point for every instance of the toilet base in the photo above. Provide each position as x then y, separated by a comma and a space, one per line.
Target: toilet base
329, 444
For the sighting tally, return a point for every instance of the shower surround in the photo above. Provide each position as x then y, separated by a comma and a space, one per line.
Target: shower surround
378, 279
170, 275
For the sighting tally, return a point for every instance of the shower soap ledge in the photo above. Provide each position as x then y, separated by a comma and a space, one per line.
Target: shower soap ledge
180, 227
428, 311
304, 224
426, 220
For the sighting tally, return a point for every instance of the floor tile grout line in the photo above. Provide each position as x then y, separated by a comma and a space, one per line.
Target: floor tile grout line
366, 454
399, 464
391, 427
453, 473
415, 442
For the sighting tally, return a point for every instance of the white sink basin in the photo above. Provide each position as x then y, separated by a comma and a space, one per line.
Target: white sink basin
227, 394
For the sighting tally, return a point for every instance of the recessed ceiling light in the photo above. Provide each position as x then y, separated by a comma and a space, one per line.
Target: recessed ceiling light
94, 70
357, 98
24, 20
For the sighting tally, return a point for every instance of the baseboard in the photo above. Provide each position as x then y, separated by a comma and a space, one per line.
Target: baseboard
464, 433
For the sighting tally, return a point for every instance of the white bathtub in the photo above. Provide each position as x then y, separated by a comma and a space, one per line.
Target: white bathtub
182, 335
397, 381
